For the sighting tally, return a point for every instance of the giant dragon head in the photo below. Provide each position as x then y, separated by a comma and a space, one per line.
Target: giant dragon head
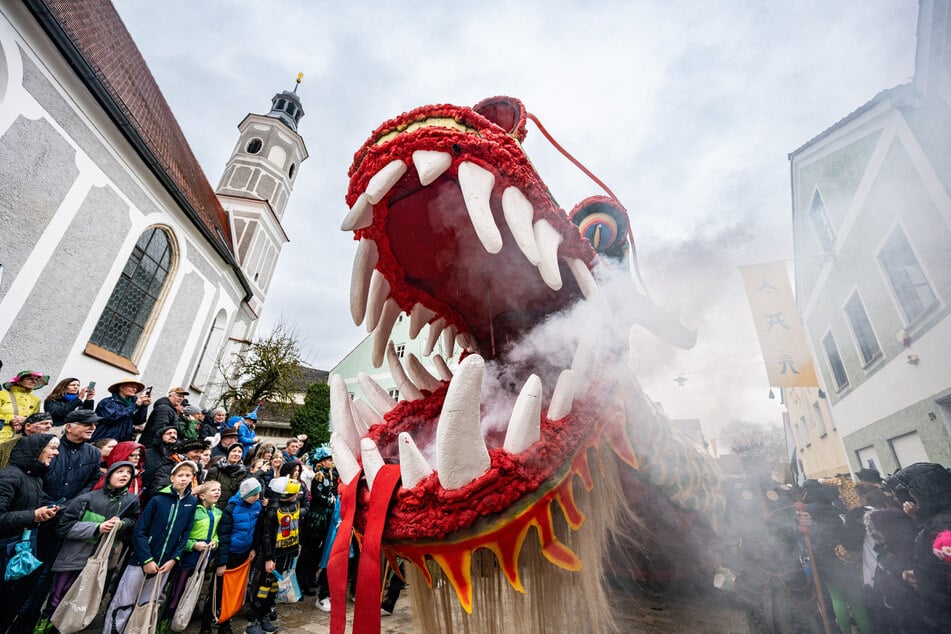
457, 231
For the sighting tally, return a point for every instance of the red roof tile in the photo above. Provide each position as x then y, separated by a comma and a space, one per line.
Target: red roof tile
99, 35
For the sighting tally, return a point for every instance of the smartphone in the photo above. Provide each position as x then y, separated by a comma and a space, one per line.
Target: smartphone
148, 391
91, 386
58, 502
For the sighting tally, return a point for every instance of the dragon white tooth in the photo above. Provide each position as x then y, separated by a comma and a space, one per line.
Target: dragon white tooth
368, 416
466, 341
441, 367
379, 292
372, 460
563, 396
420, 375
360, 421
525, 423
363, 267
382, 182
435, 329
341, 417
375, 395
449, 341
519, 213
360, 215
344, 459
413, 466
430, 165
548, 239
582, 364
461, 454
381, 335
418, 318
407, 388
583, 277
476, 184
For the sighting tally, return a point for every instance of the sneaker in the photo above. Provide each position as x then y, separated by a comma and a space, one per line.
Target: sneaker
267, 625
253, 628
324, 604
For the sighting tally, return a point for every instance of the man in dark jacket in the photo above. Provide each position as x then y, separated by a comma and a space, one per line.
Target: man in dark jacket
164, 446
76, 469
158, 541
184, 450
125, 409
23, 504
164, 414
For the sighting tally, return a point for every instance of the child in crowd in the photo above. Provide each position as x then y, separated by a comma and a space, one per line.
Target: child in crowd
204, 535
280, 543
87, 518
236, 535
158, 542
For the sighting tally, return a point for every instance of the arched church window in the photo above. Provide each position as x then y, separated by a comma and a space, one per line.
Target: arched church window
291, 109
254, 146
281, 103
291, 170
135, 299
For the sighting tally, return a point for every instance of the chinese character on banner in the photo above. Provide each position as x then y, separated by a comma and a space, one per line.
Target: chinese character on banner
781, 336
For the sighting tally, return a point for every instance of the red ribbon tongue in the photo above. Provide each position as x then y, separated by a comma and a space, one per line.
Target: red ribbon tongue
339, 559
366, 613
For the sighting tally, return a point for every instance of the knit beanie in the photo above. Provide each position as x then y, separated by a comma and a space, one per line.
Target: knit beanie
248, 488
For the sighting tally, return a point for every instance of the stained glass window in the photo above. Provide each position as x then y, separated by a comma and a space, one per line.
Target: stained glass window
130, 306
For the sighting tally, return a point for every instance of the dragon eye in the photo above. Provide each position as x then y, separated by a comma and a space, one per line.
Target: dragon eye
603, 222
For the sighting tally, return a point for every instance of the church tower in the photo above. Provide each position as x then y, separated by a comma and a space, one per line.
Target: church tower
256, 184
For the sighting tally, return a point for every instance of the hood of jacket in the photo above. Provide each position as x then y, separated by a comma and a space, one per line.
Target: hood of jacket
122, 451
26, 452
112, 468
930, 483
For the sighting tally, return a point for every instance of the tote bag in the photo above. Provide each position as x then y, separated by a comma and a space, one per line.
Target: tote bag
186, 606
288, 590
81, 602
145, 616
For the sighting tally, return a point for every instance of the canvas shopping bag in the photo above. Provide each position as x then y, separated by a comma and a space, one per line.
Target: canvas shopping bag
145, 616
288, 590
186, 606
81, 602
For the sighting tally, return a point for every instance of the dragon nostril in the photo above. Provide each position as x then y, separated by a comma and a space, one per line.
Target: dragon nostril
456, 149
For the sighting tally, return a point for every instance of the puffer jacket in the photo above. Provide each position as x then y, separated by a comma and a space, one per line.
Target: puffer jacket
205, 529
162, 530
21, 485
26, 403
230, 477
163, 415
79, 525
75, 470
119, 416
238, 528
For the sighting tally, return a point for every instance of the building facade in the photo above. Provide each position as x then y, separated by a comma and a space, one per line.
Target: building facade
871, 226
119, 259
819, 451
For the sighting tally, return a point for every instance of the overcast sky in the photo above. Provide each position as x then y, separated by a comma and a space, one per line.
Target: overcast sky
687, 110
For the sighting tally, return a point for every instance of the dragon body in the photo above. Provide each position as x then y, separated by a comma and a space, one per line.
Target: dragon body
516, 480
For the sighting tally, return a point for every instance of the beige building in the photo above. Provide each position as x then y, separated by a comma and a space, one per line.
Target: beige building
819, 449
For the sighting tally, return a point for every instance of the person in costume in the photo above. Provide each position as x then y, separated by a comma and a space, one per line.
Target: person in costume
17, 401
280, 543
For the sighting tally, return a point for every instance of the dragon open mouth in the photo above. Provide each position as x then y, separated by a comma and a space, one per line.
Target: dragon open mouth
457, 230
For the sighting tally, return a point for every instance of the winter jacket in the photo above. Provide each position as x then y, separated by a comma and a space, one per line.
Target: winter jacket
163, 415
280, 530
75, 470
79, 525
236, 533
119, 416
121, 453
26, 403
59, 407
230, 476
158, 452
163, 476
21, 485
205, 529
188, 429
208, 428
162, 530
246, 436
